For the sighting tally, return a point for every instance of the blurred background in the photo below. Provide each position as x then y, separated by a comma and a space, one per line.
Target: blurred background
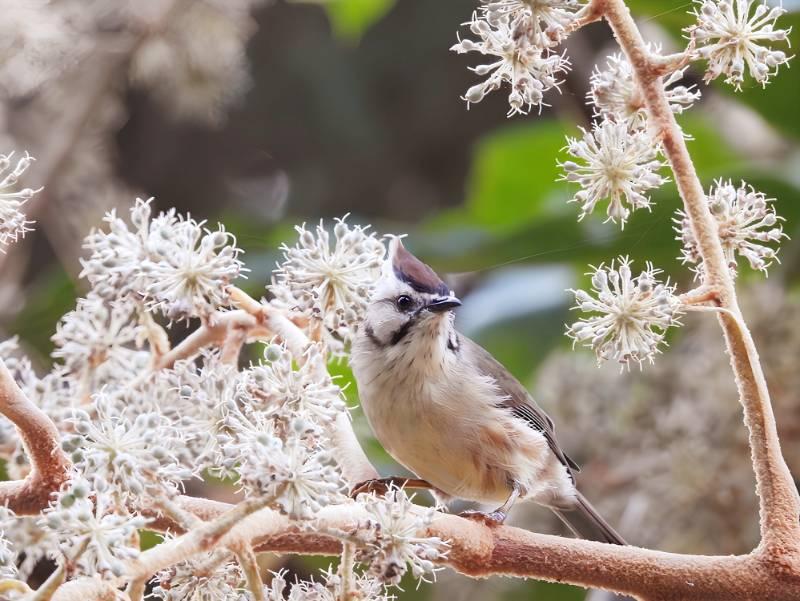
262, 115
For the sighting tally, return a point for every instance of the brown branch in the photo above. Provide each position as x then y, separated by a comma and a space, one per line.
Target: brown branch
479, 551
40, 439
778, 499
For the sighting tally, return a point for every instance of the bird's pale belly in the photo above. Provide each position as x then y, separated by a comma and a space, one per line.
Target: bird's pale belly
451, 453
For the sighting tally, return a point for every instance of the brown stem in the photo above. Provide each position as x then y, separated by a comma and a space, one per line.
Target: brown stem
40, 439
778, 499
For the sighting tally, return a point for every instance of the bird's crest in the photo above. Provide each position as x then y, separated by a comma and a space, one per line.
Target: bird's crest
414, 272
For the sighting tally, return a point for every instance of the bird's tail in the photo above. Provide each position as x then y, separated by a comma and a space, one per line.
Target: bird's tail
584, 522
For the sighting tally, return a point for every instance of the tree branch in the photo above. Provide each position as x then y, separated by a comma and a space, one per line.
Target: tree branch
40, 439
778, 498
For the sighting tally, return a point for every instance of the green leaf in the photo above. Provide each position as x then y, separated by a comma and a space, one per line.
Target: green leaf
514, 172
350, 19
777, 102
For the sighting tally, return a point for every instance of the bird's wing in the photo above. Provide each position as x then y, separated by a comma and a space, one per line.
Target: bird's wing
516, 398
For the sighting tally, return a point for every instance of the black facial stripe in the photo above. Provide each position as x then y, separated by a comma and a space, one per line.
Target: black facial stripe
401, 333
453, 343
372, 337
441, 289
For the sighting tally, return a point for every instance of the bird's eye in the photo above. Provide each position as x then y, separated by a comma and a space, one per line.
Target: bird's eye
404, 303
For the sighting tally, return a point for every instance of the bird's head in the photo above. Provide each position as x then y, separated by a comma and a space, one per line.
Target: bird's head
409, 300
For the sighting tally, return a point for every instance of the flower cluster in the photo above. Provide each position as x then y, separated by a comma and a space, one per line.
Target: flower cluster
616, 96
173, 263
13, 223
514, 40
395, 525
616, 164
98, 333
631, 314
734, 37
291, 468
277, 388
94, 534
135, 454
330, 284
330, 589
201, 578
746, 223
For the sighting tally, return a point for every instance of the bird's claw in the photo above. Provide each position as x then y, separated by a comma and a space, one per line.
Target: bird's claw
491, 519
379, 486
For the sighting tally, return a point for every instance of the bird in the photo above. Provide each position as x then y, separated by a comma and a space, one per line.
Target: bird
445, 409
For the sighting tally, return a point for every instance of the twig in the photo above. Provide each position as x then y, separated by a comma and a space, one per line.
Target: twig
247, 559
40, 439
778, 499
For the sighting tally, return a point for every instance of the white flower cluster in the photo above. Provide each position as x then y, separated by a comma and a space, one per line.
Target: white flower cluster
617, 97
630, 314
746, 222
521, 59
395, 528
548, 19
94, 534
201, 579
13, 223
136, 455
330, 284
615, 163
8, 556
173, 263
289, 465
330, 589
734, 36
98, 333
277, 388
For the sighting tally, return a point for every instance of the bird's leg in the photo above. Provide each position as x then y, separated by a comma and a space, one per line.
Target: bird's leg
499, 515
381, 485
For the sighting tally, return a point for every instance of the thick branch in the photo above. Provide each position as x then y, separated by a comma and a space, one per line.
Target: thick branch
479, 551
779, 503
40, 439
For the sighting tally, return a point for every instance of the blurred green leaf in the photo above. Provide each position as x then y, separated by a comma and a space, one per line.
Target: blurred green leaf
350, 19
149, 539
51, 296
777, 102
514, 174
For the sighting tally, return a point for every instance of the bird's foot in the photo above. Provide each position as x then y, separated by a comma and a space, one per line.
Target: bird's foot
380, 486
491, 519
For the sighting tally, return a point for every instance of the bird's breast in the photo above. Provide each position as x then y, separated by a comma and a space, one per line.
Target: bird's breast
445, 430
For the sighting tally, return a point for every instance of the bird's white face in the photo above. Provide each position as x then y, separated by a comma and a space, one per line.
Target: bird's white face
397, 311
402, 306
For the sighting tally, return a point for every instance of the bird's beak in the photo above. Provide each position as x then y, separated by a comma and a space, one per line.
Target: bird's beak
443, 304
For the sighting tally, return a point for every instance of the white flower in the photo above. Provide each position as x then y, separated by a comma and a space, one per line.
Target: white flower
173, 262
615, 164
13, 223
330, 284
549, 18
202, 398
395, 525
191, 580
97, 332
193, 269
137, 455
733, 38
8, 556
530, 70
616, 96
634, 313
299, 475
747, 223
365, 587
91, 534
278, 388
